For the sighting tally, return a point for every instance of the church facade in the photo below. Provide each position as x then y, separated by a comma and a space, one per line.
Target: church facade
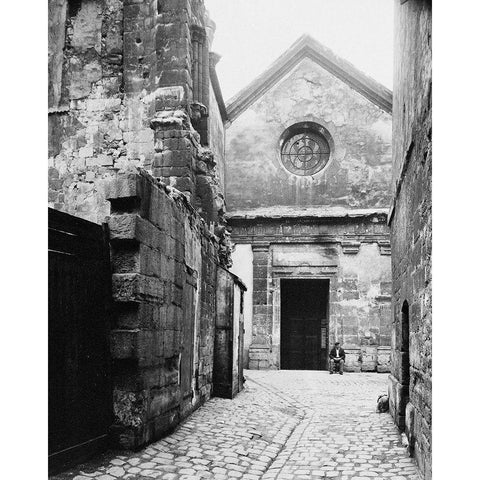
308, 173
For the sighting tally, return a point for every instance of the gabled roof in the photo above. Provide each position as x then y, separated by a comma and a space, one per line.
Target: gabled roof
308, 47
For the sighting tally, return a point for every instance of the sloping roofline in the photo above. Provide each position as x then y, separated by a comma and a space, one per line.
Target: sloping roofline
308, 47
214, 59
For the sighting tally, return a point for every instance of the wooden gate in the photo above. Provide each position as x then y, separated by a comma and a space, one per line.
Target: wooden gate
228, 355
79, 382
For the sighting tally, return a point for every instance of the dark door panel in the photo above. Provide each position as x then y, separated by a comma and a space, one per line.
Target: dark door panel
304, 325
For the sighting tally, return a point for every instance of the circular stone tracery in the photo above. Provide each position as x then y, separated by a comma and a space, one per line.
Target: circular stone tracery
305, 153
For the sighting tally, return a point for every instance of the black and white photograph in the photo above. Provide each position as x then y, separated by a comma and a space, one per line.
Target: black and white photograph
240, 242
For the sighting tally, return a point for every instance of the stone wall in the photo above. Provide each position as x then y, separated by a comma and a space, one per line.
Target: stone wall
164, 262
327, 225
86, 111
130, 87
353, 253
411, 228
121, 95
359, 172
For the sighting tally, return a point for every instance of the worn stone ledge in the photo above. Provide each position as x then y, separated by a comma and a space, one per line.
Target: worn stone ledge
122, 186
146, 188
131, 226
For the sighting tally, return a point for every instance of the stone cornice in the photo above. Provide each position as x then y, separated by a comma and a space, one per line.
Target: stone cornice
307, 213
308, 47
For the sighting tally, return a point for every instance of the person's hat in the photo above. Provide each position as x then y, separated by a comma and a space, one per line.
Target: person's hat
337, 343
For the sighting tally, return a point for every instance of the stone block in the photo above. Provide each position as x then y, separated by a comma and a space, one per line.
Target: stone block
369, 358
144, 346
123, 186
135, 287
263, 364
163, 159
173, 171
150, 261
150, 348
128, 315
130, 226
125, 259
162, 424
123, 227
169, 343
123, 344
383, 359
352, 360
86, 151
410, 421
260, 257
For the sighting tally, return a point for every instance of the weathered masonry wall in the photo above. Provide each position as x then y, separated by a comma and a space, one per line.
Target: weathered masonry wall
136, 137
324, 224
164, 262
359, 173
353, 253
129, 86
411, 228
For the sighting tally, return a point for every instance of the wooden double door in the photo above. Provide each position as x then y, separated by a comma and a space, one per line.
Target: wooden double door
304, 324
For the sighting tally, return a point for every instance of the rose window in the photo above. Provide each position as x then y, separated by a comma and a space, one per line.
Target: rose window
305, 153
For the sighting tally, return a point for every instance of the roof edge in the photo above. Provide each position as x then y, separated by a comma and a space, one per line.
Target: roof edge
308, 47
214, 58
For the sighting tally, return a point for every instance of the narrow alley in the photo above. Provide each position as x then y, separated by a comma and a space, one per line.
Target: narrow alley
284, 425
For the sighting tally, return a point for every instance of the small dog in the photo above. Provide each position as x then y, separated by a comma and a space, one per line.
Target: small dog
382, 404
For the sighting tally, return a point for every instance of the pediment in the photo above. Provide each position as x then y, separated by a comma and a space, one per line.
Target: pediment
308, 47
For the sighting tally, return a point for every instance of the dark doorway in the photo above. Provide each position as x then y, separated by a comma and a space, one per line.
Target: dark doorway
304, 324
405, 353
79, 363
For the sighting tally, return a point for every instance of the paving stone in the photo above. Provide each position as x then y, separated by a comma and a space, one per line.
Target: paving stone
116, 471
284, 425
187, 471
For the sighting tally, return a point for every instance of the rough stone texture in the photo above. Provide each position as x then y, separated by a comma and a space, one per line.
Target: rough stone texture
360, 283
411, 227
358, 175
329, 225
210, 168
86, 110
164, 261
284, 425
120, 96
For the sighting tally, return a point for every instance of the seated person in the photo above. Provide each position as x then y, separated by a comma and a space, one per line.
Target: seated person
337, 355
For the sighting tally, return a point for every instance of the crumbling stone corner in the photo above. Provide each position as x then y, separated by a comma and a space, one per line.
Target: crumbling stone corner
164, 261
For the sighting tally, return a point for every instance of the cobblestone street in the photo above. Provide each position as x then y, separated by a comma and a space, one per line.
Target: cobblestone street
285, 425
